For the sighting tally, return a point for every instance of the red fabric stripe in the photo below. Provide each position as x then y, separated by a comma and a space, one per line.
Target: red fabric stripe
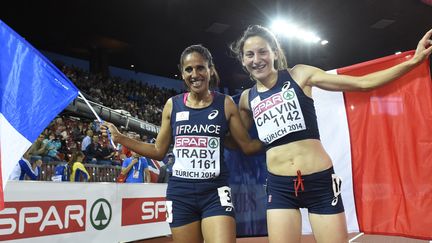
156, 163
391, 146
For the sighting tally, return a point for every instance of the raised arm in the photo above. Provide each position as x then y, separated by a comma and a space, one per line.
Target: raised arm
312, 76
155, 151
125, 170
238, 131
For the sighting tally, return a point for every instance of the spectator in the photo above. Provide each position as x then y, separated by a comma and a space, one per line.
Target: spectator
125, 152
73, 171
37, 149
107, 154
144, 138
76, 132
65, 143
93, 151
52, 144
135, 169
86, 140
165, 171
77, 170
60, 173
26, 167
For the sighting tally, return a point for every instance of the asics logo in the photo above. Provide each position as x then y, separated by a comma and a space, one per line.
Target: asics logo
336, 184
286, 85
213, 114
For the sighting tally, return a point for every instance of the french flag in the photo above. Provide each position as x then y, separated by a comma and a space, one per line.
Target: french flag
32, 92
380, 142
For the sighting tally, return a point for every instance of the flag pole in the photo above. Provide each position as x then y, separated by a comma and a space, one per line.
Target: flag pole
355, 237
97, 117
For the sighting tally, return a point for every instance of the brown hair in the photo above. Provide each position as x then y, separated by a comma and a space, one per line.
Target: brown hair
257, 30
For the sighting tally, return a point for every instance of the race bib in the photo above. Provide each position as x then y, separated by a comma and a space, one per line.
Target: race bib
169, 213
197, 157
225, 196
278, 115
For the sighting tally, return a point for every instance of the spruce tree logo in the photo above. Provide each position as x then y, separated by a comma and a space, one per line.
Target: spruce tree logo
288, 95
213, 143
102, 218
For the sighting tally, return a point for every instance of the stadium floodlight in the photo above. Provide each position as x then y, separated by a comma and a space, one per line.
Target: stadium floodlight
324, 42
284, 28
291, 30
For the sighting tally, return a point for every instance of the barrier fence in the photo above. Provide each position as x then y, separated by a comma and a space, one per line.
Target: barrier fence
82, 212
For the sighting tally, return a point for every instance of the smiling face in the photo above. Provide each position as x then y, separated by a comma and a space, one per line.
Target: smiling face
196, 72
259, 58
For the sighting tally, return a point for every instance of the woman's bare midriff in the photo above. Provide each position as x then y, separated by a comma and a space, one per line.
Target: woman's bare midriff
308, 156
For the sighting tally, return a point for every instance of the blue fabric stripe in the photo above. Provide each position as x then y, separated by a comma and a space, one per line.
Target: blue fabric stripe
32, 90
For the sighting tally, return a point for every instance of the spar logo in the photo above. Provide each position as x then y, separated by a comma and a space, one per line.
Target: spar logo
191, 141
196, 142
100, 214
267, 104
40, 218
143, 210
275, 100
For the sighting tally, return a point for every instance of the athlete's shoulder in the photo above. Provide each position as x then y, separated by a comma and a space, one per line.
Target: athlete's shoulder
176, 97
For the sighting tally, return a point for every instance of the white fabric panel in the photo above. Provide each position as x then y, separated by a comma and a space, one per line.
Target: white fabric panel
333, 127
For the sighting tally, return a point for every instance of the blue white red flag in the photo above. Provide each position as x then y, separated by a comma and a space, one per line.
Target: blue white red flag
381, 142
32, 92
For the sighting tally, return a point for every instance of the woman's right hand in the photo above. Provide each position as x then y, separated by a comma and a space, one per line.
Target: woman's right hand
134, 161
107, 127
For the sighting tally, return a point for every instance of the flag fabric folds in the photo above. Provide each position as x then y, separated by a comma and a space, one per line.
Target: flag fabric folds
32, 92
154, 168
381, 144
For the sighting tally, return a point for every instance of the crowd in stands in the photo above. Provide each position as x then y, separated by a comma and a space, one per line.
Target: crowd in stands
69, 138
141, 100
65, 135
77, 145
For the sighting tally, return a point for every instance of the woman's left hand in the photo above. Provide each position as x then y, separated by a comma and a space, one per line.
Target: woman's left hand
424, 48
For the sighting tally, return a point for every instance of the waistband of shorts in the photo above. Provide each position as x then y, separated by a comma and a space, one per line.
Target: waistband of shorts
312, 176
